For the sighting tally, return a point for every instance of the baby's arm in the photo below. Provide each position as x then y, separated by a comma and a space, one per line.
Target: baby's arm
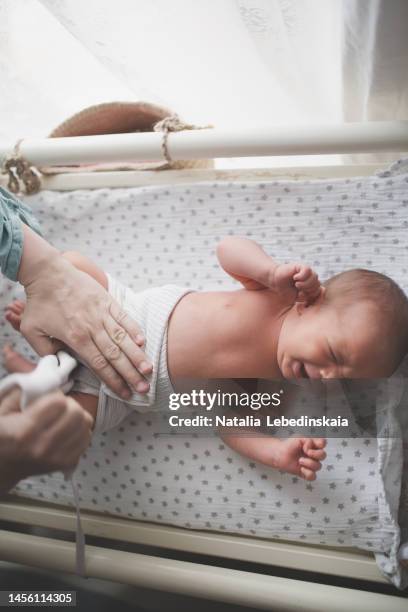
247, 262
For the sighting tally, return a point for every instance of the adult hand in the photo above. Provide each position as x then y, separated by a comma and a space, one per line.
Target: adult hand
51, 434
67, 305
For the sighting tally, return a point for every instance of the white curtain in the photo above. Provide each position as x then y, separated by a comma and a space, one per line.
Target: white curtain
375, 64
225, 62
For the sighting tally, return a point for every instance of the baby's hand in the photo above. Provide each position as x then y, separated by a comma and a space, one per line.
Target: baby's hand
301, 279
302, 456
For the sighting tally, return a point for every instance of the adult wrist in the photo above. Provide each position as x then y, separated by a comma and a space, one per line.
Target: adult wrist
37, 254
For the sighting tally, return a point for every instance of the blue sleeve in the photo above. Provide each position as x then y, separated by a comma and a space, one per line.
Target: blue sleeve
12, 213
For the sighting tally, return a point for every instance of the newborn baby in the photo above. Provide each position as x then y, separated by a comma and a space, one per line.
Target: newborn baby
283, 324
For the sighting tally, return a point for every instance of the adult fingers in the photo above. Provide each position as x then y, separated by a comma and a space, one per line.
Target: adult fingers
10, 401
118, 360
44, 411
71, 432
60, 445
122, 339
129, 325
96, 361
72, 450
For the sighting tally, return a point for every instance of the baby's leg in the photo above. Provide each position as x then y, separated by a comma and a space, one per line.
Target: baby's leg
15, 362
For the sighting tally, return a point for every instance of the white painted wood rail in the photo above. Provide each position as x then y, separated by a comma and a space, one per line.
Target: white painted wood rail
210, 143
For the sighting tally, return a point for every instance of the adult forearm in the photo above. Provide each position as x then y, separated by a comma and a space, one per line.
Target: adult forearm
36, 253
13, 214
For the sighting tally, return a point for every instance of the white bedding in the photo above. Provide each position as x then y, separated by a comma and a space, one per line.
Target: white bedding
151, 236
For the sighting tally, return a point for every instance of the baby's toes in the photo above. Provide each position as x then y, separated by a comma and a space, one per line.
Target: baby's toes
14, 319
14, 362
19, 306
12, 308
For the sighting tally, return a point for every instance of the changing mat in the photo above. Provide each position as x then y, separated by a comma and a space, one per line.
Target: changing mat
155, 235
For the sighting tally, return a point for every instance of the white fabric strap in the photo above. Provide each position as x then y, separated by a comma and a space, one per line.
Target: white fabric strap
79, 534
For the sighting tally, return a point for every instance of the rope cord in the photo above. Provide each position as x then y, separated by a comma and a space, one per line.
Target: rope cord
173, 123
20, 171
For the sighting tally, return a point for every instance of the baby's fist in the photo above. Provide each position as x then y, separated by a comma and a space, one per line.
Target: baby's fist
299, 279
307, 284
313, 455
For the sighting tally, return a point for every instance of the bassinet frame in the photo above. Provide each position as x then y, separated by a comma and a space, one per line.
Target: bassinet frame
218, 583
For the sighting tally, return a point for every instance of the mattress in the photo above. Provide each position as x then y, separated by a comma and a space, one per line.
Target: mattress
155, 235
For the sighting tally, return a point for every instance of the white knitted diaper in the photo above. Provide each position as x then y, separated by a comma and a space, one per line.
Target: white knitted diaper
151, 309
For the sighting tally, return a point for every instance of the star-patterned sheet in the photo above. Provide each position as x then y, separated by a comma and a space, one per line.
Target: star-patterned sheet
147, 236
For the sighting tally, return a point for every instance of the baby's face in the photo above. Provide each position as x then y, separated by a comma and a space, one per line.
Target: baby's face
321, 343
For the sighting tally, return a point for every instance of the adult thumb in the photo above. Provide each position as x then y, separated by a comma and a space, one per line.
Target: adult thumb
42, 344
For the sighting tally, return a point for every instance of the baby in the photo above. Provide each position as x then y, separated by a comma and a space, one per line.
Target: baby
282, 324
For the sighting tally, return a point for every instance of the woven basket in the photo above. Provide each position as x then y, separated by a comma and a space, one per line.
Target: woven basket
118, 118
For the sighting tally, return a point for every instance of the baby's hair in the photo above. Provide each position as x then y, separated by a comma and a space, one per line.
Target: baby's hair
380, 291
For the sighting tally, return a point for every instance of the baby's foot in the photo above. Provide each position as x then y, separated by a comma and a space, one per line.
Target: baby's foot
14, 313
302, 456
14, 362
